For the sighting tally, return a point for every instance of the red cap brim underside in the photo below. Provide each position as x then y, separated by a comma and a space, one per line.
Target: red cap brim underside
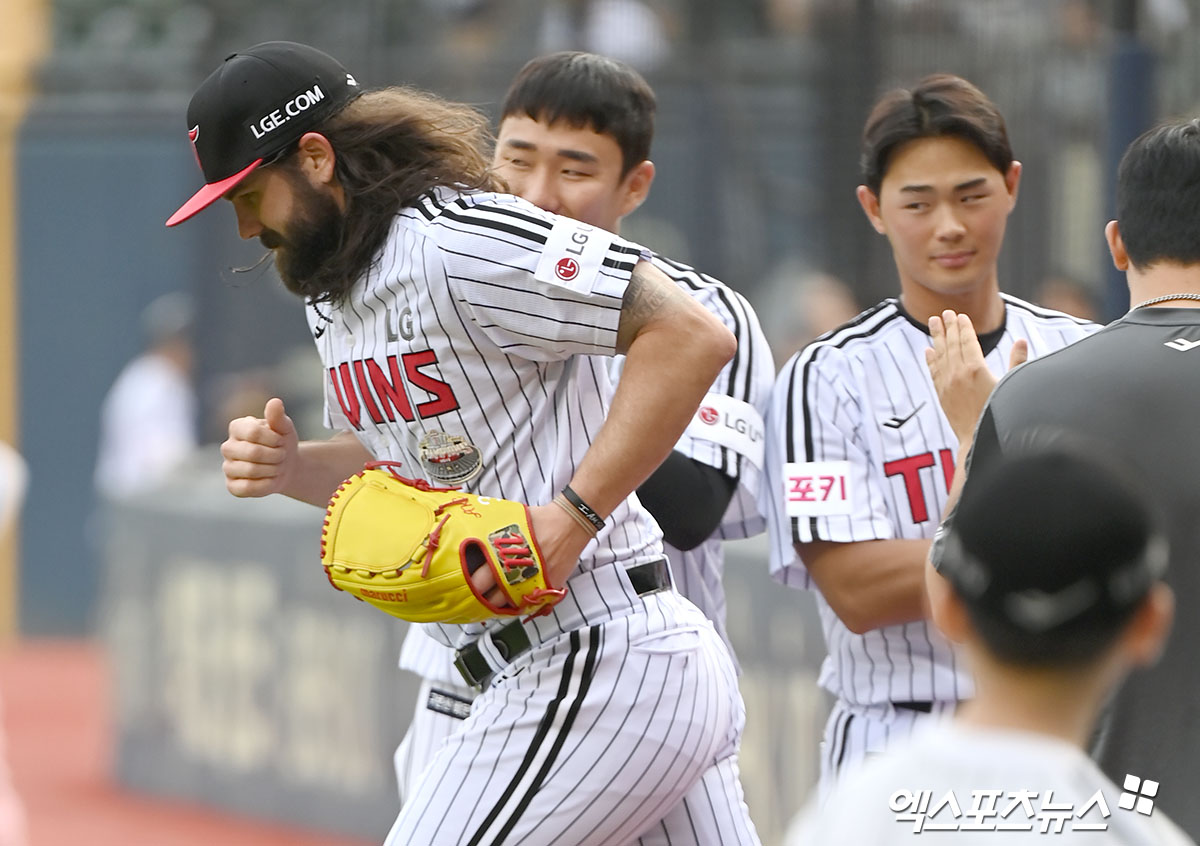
209, 194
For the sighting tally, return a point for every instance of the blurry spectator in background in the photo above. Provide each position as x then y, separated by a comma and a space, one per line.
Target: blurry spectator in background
1073, 296
14, 478
800, 305
148, 419
630, 31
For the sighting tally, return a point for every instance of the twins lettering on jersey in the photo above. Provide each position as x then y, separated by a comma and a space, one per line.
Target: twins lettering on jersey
910, 471
365, 384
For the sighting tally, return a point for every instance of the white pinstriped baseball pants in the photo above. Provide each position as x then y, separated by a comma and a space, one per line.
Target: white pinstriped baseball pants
604, 735
854, 733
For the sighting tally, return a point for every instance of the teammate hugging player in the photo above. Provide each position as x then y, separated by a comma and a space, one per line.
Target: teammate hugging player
461, 332
574, 139
859, 453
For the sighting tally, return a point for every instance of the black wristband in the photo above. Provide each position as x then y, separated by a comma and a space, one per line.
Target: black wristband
583, 508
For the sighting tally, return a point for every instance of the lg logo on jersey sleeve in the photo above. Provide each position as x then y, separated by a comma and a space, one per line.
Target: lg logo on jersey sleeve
572, 256
817, 488
731, 423
566, 269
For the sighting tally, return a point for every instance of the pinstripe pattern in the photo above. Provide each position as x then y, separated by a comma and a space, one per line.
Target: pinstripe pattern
426, 731
714, 811
428, 658
862, 394
856, 734
748, 377
624, 702
567, 729
508, 348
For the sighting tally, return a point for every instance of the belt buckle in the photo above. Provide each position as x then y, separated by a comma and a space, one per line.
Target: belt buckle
649, 577
468, 676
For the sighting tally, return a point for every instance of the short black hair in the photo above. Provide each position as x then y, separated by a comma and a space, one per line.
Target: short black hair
1051, 551
938, 105
588, 91
1158, 195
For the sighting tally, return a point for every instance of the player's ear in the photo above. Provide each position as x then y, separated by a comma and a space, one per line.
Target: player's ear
943, 606
1116, 245
637, 186
1146, 634
870, 206
1012, 180
316, 158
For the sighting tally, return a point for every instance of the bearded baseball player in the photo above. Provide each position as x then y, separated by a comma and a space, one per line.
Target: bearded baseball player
859, 454
574, 139
462, 334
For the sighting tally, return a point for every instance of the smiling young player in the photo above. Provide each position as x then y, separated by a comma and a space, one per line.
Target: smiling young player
859, 454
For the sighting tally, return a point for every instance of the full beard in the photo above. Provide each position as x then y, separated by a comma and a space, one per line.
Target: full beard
314, 236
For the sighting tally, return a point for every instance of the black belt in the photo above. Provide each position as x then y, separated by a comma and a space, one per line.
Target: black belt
511, 640
924, 707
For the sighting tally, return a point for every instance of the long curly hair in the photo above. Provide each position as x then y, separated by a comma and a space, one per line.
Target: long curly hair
391, 146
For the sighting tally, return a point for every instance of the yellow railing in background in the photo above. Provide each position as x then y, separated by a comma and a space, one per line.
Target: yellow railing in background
24, 39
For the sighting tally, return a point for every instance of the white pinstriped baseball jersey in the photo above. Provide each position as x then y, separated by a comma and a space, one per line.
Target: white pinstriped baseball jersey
726, 433
463, 328
484, 319
858, 449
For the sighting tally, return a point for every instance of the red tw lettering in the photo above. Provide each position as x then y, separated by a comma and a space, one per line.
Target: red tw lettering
947, 457
910, 468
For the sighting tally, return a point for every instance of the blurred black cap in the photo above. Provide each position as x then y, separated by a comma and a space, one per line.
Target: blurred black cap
1046, 541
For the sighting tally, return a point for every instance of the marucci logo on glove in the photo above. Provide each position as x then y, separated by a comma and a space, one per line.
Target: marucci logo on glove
410, 549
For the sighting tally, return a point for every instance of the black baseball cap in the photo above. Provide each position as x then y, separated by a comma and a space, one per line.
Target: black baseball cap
254, 107
1049, 542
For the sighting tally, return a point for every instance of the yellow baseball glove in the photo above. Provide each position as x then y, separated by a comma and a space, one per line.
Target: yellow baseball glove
410, 549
